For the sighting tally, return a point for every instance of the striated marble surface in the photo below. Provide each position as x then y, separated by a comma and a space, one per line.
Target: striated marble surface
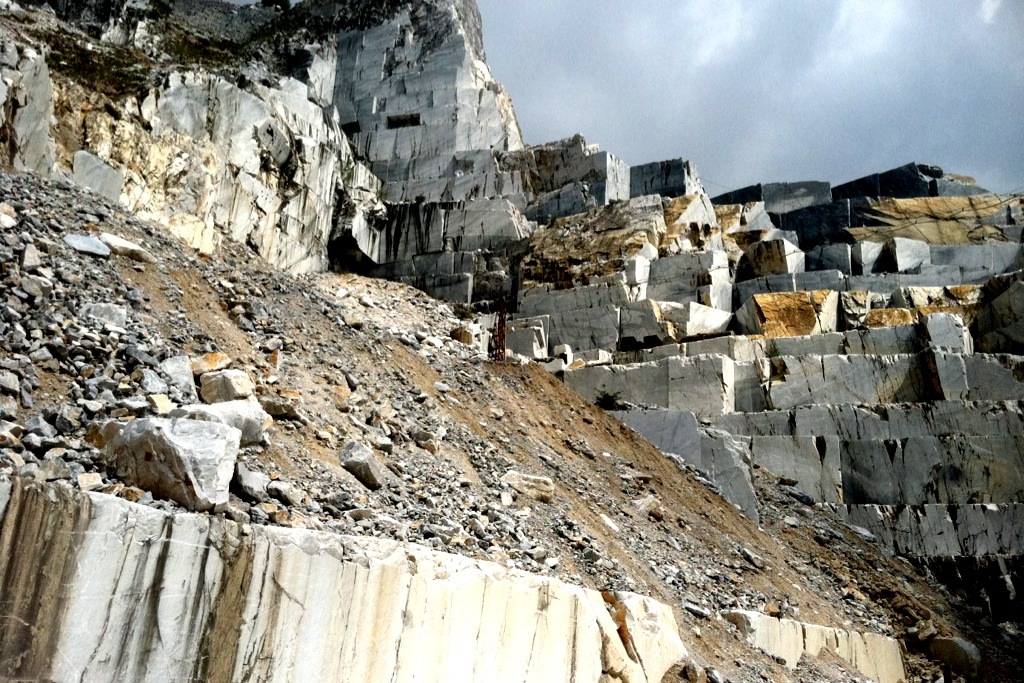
95, 588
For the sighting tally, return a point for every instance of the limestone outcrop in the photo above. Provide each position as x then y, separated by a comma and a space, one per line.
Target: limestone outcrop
191, 597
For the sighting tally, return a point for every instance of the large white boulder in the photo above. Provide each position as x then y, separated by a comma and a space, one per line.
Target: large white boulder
187, 461
247, 416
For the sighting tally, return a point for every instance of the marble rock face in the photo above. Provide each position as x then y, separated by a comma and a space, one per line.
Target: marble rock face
596, 243
418, 86
95, 174
877, 657
417, 99
278, 604
725, 461
25, 90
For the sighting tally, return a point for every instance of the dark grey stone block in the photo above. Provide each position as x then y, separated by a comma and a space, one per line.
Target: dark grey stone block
902, 183
781, 197
671, 178
831, 257
943, 187
816, 225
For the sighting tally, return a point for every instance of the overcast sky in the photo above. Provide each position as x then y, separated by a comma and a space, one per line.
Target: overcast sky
772, 90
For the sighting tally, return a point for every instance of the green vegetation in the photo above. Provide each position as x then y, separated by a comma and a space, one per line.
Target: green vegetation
111, 70
159, 9
609, 400
186, 48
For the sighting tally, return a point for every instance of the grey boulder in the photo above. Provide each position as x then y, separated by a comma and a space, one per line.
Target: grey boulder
84, 244
187, 461
360, 462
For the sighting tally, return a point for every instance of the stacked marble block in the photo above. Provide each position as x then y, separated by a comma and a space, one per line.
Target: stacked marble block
882, 374
940, 482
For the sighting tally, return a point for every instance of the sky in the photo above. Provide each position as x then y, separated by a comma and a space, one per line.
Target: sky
772, 90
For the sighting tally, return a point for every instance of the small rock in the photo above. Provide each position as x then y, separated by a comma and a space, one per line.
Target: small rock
796, 493
360, 462
253, 484
693, 673
84, 244
178, 370
238, 512
284, 405
108, 313
753, 559
211, 362
31, 259
696, 610
133, 494
652, 507
960, 655
226, 385
36, 286
150, 381
925, 630
541, 489
160, 404
123, 247
463, 335
286, 492
9, 382
90, 481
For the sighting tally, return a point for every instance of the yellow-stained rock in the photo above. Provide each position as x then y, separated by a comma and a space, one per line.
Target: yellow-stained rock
160, 404
889, 317
690, 220
596, 243
790, 314
211, 362
937, 220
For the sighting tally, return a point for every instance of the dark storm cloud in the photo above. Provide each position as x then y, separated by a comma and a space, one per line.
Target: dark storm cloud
773, 89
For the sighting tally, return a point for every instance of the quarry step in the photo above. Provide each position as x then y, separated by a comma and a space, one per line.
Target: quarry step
712, 385
883, 421
914, 470
942, 530
878, 657
877, 341
237, 597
